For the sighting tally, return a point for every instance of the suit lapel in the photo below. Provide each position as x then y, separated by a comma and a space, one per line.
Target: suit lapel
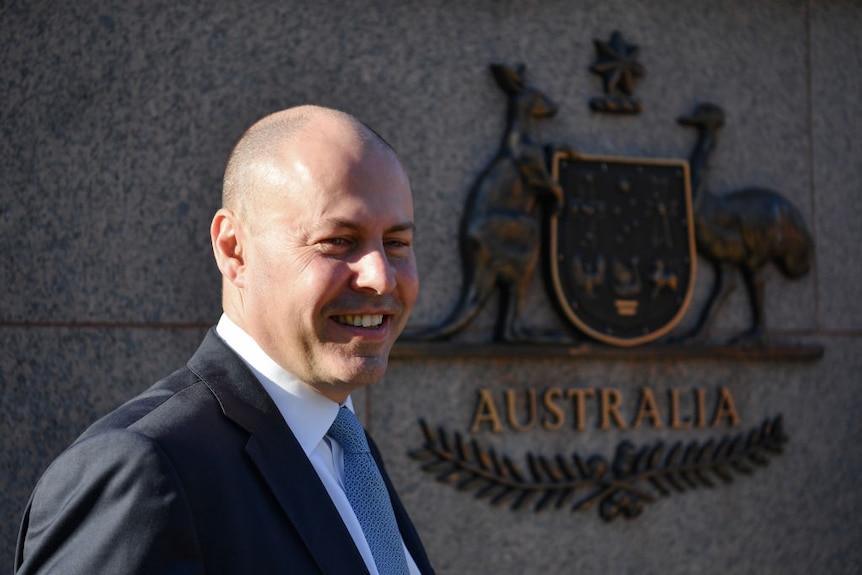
303, 497
278, 456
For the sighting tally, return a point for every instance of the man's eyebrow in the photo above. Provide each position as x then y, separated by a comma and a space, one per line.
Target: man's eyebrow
407, 226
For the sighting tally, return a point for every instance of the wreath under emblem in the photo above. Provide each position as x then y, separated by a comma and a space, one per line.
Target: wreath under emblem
621, 488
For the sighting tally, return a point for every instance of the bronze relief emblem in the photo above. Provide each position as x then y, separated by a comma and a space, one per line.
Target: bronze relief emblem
618, 239
622, 252
619, 236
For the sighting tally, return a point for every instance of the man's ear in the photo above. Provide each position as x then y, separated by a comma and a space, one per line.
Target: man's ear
226, 235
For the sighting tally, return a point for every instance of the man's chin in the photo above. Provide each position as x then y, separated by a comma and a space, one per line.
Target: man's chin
358, 371
367, 371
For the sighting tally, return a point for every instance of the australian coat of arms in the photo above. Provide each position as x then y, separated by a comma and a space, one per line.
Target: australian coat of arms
620, 236
619, 239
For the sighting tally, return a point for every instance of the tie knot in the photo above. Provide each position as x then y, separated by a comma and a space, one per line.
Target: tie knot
347, 431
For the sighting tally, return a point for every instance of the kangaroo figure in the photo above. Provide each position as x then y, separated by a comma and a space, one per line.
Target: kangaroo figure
500, 233
747, 229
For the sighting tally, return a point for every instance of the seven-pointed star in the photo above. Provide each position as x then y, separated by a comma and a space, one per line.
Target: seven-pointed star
617, 64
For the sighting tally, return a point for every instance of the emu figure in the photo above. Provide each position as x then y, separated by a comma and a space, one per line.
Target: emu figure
747, 229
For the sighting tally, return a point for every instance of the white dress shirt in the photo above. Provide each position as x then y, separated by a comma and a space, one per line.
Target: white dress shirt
309, 415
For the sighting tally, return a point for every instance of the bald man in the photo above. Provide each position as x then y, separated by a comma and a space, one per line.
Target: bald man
228, 465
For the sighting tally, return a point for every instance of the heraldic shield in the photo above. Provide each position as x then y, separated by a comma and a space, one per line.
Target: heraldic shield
622, 246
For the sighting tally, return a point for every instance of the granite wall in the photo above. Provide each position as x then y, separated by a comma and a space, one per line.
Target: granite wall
117, 118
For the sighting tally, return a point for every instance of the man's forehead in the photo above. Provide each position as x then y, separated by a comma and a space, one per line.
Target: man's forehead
337, 144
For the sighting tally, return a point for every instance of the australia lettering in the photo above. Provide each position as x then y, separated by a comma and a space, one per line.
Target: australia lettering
606, 408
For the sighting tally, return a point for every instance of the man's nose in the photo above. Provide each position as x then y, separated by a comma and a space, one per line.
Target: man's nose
375, 272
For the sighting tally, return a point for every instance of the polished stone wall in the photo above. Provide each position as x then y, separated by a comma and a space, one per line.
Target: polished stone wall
117, 118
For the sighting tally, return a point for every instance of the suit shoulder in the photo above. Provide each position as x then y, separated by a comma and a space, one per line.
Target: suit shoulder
180, 392
79, 514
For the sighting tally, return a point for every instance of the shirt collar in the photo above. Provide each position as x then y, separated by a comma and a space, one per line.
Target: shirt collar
308, 413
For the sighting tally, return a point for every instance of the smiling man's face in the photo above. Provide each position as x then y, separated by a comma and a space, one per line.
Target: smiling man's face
328, 275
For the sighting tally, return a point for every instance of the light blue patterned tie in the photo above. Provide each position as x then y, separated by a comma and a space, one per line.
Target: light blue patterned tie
368, 495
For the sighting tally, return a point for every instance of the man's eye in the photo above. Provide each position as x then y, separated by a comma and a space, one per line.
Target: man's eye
398, 247
400, 239
335, 244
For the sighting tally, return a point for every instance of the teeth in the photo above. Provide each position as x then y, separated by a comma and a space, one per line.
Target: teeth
361, 320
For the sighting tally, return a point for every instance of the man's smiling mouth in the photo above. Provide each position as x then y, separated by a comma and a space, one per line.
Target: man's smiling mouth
373, 320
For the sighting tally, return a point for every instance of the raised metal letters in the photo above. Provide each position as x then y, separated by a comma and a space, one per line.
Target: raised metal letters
553, 408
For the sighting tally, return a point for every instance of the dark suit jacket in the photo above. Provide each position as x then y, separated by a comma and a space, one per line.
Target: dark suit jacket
199, 474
